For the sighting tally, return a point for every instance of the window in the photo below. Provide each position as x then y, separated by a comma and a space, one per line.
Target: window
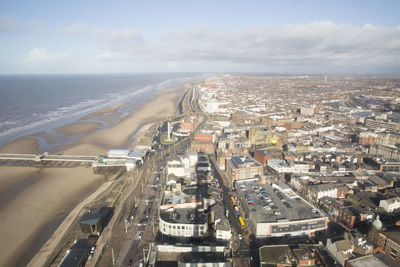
393, 253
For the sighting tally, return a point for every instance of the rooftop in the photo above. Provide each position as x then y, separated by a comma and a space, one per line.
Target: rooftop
265, 152
286, 254
245, 161
266, 200
184, 216
373, 260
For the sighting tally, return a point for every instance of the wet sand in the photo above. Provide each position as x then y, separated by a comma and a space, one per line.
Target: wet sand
25, 145
34, 201
78, 128
163, 106
103, 111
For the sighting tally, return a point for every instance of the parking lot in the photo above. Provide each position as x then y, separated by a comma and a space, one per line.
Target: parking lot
272, 204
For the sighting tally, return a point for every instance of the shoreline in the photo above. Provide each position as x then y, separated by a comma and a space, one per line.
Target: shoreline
59, 180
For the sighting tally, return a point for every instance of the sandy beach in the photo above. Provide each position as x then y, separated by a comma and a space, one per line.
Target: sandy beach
27, 218
34, 201
103, 111
163, 106
24, 145
78, 128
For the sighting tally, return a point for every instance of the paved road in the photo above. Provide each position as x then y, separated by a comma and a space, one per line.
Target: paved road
139, 236
240, 247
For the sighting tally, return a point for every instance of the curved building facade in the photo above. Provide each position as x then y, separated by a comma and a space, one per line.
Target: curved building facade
183, 223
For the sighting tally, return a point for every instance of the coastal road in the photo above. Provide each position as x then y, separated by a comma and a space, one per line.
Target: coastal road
140, 235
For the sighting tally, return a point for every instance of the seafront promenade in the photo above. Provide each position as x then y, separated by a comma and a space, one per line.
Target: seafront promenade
44, 188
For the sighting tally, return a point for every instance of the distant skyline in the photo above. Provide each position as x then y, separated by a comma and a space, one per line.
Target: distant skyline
288, 37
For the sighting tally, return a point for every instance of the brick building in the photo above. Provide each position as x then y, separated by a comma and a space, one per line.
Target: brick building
241, 168
262, 156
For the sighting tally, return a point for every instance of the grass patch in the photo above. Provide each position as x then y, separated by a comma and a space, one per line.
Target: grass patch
164, 140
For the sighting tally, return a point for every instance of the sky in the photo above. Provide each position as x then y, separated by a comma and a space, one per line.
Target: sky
282, 37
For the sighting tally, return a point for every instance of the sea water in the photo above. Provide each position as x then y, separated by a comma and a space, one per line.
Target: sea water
40, 103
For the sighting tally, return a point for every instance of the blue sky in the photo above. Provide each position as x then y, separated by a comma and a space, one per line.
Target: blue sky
338, 37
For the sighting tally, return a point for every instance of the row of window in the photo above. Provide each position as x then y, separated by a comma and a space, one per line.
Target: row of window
183, 230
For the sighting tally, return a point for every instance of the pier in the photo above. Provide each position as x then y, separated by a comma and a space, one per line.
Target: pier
100, 164
45, 160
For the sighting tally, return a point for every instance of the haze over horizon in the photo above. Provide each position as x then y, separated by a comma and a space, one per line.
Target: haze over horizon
292, 37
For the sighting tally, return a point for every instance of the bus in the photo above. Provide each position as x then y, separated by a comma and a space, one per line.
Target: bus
242, 224
237, 210
233, 200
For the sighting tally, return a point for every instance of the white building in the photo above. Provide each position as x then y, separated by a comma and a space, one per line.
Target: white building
282, 166
212, 107
319, 191
390, 204
183, 223
293, 218
308, 111
293, 228
222, 231
175, 167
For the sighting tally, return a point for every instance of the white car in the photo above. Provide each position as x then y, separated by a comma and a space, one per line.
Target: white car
267, 207
277, 213
240, 237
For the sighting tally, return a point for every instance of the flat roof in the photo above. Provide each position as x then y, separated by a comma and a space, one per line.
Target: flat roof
176, 198
202, 257
244, 161
265, 152
274, 254
184, 216
291, 206
372, 260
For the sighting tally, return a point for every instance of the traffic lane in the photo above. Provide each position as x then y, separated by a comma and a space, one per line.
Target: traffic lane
232, 217
142, 231
138, 230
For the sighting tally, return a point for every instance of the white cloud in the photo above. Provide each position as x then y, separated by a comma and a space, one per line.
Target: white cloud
80, 28
42, 55
8, 23
172, 64
123, 36
105, 55
317, 47
129, 36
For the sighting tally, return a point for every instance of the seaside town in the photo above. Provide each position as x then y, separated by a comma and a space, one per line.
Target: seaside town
251, 171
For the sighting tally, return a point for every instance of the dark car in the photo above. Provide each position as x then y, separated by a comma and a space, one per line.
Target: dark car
130, 263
